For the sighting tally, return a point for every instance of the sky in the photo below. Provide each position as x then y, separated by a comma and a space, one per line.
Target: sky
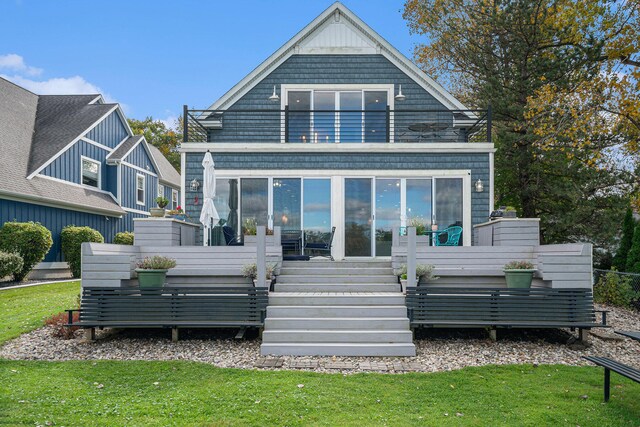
155, 56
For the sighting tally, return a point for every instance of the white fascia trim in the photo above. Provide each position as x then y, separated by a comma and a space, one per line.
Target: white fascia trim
124, 120
125, 155
138, 168
84, 187
96, 143
96, 99
491, 181
183, 178
115, 161
69, 145
387, 50
38, 200
135, 211
276, 147
150, 154
119, 183
327, 173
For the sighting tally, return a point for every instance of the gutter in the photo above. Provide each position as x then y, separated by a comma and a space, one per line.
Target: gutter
37, 200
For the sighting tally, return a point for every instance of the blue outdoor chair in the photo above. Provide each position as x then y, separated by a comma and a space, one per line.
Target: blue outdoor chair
453, 234
230, 236
324, 247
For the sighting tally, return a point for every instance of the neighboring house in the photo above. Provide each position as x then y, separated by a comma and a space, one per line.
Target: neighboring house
72, 159
338, 128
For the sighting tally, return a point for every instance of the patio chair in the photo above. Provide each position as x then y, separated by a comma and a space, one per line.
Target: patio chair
230, 237
321, 246
453, 236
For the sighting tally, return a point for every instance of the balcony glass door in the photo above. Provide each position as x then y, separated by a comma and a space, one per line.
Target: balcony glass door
388, 209
358, 218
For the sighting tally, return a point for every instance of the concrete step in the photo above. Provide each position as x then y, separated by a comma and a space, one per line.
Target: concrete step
336, 287
337, 323
357, 278
337, 271
337, 336
336, 298
337, 264
329, 311
338, 349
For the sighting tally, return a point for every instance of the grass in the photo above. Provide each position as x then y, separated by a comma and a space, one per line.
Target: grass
24, 309
193, 394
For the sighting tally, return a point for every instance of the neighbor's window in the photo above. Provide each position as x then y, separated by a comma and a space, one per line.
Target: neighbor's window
140, 180
174, 199
90, 172
160, 190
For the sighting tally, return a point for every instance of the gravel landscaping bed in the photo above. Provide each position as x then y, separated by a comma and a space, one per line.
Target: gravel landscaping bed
437, 350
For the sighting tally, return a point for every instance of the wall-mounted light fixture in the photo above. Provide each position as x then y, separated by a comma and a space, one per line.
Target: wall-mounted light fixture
274, 96
479, 186
400, 96
194, 185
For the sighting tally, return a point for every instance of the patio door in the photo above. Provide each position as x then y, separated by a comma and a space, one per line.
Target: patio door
358, 217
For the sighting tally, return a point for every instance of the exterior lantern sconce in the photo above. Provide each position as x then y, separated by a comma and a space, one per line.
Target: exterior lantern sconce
400, 96
479, 186
194, 185
274, 96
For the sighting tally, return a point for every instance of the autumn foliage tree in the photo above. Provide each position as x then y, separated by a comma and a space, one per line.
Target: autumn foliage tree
536, 62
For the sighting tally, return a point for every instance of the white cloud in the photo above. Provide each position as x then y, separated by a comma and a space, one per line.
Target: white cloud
170, 121
15, 63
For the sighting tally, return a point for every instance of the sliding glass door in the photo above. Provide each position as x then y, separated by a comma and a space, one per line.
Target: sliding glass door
358, 219
316, 209
254, 202
387, 213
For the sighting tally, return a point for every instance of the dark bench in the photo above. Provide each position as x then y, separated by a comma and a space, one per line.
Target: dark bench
500, 307
171, 307
617, 367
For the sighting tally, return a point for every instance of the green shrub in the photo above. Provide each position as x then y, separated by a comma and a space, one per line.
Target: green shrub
614, 289
10, 264
628, 227
519, 265
156, 262
123, 238
30, 240
633, 257
72, 238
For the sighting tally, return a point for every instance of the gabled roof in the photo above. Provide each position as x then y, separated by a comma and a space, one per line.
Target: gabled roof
367, 39
125, 147
18, 108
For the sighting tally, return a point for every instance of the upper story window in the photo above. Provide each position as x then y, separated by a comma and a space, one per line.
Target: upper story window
160, 190
90, 172
340, 115
174, 199
140, 188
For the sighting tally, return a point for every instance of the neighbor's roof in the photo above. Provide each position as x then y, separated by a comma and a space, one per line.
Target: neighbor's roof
338, 11
18, 130
166, 171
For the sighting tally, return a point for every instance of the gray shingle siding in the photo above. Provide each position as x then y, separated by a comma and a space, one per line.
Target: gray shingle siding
477, 163
320, 69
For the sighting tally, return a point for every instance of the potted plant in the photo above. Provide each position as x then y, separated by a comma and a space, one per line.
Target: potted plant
250, 271
152, 271
177, 213
519, 274
158, 212
510, 212
424, 274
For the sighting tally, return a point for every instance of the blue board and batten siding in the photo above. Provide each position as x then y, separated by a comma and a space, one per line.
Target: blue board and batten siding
140, 158
110, 132
129, 195
68, 166
55, 219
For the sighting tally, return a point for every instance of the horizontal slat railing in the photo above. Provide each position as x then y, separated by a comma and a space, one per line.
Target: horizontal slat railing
173, 306
501, 307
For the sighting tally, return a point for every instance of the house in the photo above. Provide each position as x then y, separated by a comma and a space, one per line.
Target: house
339, 129
72, 159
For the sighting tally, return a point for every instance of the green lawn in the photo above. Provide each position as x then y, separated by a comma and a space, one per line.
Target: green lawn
24, 309
193, 394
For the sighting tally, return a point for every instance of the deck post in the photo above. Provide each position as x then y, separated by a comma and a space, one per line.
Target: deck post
174, 334
583, 335
395, 237
277, 235
493, 334
90, 334
411, 256
261, 270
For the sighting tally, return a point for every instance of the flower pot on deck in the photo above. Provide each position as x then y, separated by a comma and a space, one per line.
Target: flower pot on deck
518, 279
150, 279
157, 212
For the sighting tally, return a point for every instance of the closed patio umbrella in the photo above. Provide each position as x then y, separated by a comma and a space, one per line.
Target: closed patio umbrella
209, 212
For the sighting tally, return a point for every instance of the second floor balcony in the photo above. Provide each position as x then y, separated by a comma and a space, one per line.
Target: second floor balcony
337, 126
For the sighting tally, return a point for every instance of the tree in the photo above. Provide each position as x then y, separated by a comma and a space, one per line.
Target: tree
510, 55
628, 227
164, 139
633, 259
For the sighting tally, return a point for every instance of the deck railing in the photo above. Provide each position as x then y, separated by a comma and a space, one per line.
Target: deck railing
381, 125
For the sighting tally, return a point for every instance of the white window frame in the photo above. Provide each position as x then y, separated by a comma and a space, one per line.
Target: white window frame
337, 88
160, 190
97, 162
144, 189
174, 199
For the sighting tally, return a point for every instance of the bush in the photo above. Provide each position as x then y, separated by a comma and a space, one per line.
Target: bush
30, 240
423, 272
57, 323
123, 238
72, 238
633, 257
519, 265
10, 264
614, 289
251, 270
628, 227
156, 262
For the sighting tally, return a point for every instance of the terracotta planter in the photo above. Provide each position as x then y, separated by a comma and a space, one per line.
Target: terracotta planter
518, 279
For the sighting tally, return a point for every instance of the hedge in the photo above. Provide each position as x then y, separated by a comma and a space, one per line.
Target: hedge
123, 238
10, 264
31, 240
72, 238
